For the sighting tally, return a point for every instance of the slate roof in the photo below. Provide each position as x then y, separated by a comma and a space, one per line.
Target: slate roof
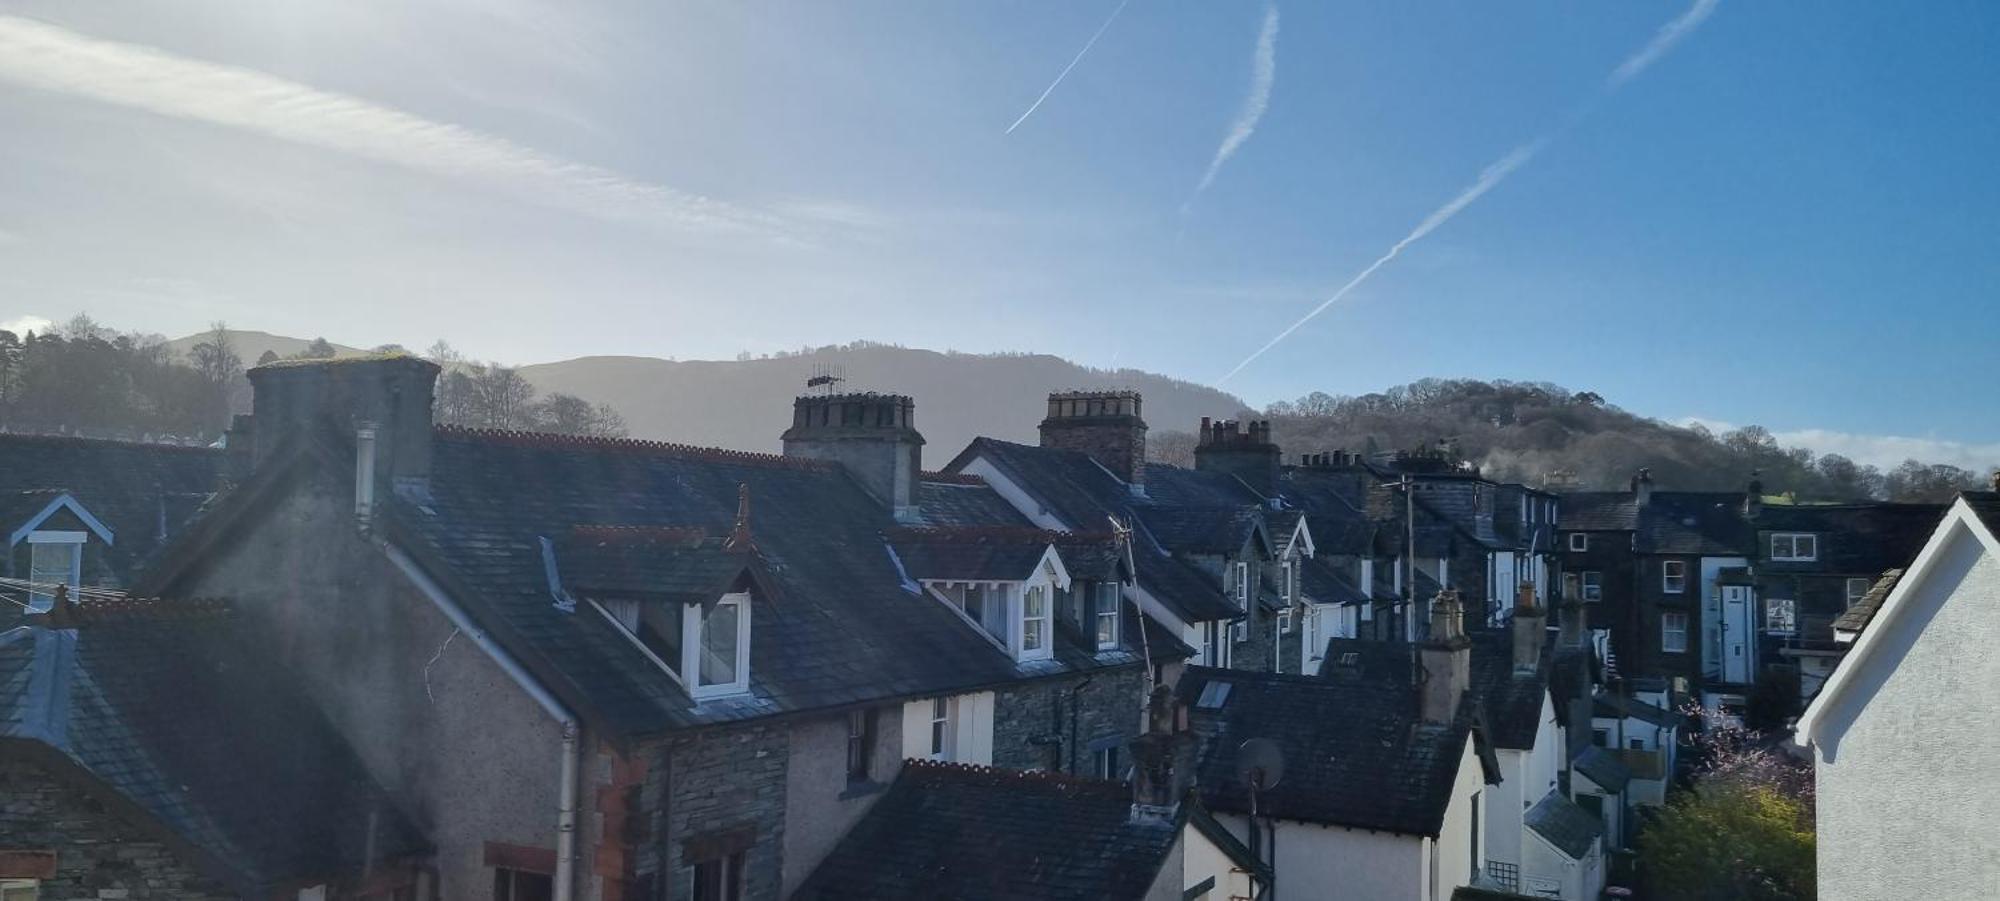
1564, 825
1857, 617
1512, 702
1356, 753
139, 491
1603, 768
1181, 511
1615, 706
971, 553
1855, 539
177, 709
679, 565
950, 831
1986, 506
846, 624
1321, 581
1598, 511
1695, 523
963, 501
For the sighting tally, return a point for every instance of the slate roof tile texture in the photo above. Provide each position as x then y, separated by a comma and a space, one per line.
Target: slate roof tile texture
137, 490
1565, 825
177, 708
1356, 753
845, 628
950, 831
1857, 617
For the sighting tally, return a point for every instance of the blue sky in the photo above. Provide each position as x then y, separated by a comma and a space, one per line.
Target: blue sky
1784, 219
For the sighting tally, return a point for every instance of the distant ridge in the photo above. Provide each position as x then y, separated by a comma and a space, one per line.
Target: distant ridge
746, 404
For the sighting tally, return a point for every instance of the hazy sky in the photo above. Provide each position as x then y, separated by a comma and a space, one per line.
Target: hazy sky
1744, 212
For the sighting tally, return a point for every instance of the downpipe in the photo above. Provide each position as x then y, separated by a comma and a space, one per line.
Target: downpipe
566, 794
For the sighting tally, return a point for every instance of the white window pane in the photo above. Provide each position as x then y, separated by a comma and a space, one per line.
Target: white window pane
718, 644
51, 563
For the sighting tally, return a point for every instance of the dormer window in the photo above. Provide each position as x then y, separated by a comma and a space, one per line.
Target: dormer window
1794, 546
706, 650
54, 558
717, 643
1035, 622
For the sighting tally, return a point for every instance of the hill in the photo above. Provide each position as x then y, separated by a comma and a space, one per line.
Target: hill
252, 344
747, 403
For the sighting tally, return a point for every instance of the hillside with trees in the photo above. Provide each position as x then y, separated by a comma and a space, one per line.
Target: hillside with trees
1525, 431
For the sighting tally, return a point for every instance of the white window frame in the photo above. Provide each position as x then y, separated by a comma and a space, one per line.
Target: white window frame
1593, 591
1046, 620
1781, 615
691, 649
1854, 597
1668, 633
1112, 617
1239, 630
1291, 576
76, 541
1673, 576
1241, 569
944, 713
1792, 542
1579, 541
1285, 620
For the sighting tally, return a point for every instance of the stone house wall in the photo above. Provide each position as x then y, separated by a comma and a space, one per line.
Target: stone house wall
97, 849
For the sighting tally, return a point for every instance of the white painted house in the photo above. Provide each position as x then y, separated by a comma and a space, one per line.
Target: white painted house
1906, 732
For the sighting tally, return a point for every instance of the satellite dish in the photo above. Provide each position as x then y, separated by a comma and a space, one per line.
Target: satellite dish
1260, 764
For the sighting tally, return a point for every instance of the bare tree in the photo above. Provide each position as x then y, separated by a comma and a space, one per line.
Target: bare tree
214, 356
1173, 448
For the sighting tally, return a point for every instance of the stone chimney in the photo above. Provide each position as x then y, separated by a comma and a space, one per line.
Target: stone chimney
1572, 629
1447, 660
1243, 450
240, 443
1753, 496
1531, 629
1162, 760
392, 394
873, 435
1106, 425
1642, 487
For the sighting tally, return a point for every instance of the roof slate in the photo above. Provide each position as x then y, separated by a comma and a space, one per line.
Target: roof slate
1603, 768
1565, 825
949, 831
971, 553
176, 708
845, 628
1857, 617
1856, 539
1355, 753
144, 493
1512, 701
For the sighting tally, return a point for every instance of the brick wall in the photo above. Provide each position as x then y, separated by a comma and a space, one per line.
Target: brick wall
1031, 723
97, 850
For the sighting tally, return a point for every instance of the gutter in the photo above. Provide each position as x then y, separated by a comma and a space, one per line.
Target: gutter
565, 877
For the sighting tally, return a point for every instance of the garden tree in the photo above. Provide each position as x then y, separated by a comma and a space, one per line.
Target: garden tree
1742, 830
102, 383
318, 349
214, 356
267, 357
568, 414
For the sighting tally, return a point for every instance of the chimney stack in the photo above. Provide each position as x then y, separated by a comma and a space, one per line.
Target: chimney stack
874, 436
1243, 450
1531, 629
1162, 760
393, 394
1106, 426
1447, 660
1642, 487
1572, 631
1753, 496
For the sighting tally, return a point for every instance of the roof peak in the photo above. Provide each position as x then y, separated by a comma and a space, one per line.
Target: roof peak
77, 440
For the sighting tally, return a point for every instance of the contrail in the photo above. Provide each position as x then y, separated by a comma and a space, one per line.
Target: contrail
1663, 41
55, 59
1263, 74
1072, 64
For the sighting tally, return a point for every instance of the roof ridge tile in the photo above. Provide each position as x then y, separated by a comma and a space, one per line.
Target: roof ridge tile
552, 441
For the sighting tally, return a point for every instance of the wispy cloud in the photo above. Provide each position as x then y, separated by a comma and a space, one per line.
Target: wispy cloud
1884, 451
1263, 75
1072, 64
55, 59
1664, 40
26, 324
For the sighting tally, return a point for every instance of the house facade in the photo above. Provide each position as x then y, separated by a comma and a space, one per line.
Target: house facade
1906, 723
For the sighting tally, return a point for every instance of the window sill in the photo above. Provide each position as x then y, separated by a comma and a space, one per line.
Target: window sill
861, 789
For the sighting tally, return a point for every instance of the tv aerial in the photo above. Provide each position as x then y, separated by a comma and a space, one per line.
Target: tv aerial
825, 376
1260, 766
